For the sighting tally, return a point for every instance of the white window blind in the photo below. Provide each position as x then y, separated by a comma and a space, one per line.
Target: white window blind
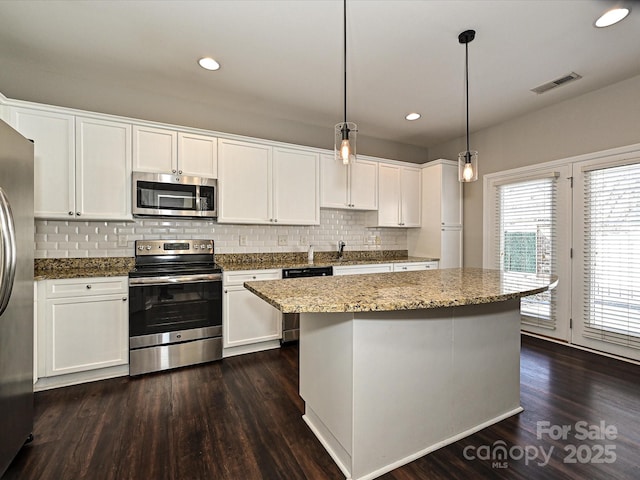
526, 227
612, 255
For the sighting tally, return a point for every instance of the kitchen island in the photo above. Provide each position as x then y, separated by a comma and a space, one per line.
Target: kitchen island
396, 365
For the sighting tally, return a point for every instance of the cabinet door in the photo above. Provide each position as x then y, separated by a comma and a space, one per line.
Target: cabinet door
389, 195
54, 165
197, 155
296, 196
451, 196
333, 183
244, 182
103, 169
86, 333
451, 247
363, 180
248, 319
155, 150
410, 197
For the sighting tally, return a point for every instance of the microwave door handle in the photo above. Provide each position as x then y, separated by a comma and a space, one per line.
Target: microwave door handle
7, 252
197, 198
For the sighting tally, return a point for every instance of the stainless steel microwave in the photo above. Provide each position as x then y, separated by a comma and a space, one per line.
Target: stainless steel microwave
171, 195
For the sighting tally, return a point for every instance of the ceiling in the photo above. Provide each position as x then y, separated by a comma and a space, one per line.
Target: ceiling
282, 60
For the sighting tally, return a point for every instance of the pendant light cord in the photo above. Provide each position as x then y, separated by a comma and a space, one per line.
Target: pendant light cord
466, 61
345, 61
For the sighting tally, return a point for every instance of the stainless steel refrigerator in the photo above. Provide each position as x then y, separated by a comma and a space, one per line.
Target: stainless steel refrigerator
16, 293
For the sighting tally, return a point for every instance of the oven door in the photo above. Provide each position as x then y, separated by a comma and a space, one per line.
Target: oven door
165, 304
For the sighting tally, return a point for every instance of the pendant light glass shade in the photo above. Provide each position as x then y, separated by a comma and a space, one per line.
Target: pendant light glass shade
345, 132
467, 160
345, 142
468, 166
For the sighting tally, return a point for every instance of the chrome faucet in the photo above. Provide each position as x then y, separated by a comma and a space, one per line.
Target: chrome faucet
341, 246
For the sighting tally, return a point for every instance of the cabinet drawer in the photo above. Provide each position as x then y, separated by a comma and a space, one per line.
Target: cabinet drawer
87, 286
363, 269
241, 276
411, 266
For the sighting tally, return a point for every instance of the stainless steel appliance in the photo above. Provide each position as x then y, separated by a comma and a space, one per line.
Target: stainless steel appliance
171, 195
291, 321
175, 305
16, 293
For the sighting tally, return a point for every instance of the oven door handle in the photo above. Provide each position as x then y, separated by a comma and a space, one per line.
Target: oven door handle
175, 279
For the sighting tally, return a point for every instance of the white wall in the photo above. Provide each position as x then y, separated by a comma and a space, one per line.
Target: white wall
599, 120
56, 239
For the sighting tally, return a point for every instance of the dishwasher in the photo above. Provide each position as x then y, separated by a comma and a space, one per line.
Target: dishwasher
291, 321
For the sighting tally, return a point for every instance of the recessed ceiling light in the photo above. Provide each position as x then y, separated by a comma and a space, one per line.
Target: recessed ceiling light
209, 63
611, 17
413, 116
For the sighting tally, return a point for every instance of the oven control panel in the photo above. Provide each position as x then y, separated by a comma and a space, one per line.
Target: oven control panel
173, 247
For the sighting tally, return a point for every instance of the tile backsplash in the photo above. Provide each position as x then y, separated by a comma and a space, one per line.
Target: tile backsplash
73, 239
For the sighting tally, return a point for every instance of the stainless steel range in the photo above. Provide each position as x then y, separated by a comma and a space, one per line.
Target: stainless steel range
175, 305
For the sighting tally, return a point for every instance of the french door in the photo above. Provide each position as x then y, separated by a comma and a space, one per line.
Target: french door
606, 266
529, 232
578, 219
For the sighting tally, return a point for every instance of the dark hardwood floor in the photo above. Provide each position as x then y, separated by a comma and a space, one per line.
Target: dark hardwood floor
241, 419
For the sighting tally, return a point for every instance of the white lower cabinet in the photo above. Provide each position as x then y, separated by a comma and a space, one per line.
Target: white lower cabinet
249, 323
413, 266
82, 327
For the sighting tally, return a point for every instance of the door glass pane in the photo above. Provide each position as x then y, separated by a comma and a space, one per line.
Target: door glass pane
527, 233
612, 254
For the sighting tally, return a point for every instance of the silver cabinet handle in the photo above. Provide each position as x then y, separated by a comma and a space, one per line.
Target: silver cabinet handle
173, 171
70, 213
124, 299
88, 287
180, 172
78, 213
8, 233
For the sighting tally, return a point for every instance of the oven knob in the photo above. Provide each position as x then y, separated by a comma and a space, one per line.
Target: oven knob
210, 247
148, 247
140, 247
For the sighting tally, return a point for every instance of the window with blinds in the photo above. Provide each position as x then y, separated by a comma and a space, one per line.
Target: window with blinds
526, 229
612, 255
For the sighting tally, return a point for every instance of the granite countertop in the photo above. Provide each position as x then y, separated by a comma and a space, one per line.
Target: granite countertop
399, 291
58, 268
266, 264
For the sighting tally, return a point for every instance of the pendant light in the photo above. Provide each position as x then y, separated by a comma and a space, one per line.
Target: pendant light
345, 132
467, 160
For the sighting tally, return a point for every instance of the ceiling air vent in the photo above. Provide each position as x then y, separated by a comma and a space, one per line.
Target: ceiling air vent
570, 77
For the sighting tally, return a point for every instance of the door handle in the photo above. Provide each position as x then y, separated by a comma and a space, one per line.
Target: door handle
8, 265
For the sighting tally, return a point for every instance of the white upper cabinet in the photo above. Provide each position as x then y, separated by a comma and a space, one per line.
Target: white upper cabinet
160, 150
155, 150
54, 164
244, 183
296, 187
197, 155
103, 169
352, 186
261, 184
363, 183
82, 166
398, 197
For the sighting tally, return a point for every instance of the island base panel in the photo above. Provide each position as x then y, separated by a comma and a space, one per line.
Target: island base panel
384, 388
